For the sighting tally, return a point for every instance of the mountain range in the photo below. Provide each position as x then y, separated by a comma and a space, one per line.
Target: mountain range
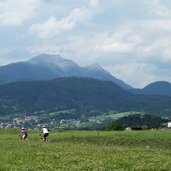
51, 83
46, 67
76, 93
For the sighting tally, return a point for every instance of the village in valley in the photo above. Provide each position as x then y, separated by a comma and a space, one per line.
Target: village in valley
32, 122
35, 123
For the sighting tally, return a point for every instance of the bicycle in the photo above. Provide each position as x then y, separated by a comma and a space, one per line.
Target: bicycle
22, 137
43, 139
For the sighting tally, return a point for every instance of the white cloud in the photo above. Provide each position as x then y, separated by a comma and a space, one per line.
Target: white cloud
44, 48
119, 42
53, 26
136, 74
116, 47
114, 2
159, 48
159, 8
167, 54
155, 24
15, 12
145, 40
94, 3
105, 45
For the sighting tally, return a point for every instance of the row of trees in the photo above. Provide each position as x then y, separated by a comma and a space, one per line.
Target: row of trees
137, 121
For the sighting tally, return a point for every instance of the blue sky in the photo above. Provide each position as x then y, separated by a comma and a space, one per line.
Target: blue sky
129, 38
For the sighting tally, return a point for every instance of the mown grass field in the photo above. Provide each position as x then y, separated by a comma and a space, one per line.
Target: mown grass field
87, 151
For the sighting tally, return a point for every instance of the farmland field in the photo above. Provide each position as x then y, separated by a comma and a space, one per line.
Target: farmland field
87, 151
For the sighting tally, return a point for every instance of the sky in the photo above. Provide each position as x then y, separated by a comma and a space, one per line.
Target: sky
129, 38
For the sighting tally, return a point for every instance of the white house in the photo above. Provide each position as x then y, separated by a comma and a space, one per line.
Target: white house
169, 124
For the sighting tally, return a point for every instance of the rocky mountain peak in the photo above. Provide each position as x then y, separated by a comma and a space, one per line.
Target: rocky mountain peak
48, 59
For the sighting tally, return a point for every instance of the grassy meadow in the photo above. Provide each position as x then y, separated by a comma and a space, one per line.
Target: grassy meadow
86, 151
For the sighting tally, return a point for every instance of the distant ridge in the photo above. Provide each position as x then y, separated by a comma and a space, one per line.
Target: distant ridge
46, 66
157, 88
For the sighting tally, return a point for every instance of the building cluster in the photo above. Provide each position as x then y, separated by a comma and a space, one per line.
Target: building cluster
169, 124
33, 122
18, 122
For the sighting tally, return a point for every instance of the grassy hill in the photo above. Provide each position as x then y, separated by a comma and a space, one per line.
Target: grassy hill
87, 150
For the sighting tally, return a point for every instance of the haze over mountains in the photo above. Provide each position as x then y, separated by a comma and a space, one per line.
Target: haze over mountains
46, 67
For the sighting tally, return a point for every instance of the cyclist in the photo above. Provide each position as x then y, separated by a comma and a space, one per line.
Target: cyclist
24, 134
44, 133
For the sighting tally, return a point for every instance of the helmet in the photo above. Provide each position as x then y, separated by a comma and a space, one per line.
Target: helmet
22, 128
44, 126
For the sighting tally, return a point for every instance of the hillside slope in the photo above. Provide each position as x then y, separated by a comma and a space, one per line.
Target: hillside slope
162, 88
68, 93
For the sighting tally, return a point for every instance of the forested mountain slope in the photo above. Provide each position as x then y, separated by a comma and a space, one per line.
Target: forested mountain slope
75, 92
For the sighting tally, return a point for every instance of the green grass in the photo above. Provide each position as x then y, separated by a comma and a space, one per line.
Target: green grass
112, 115
87, 151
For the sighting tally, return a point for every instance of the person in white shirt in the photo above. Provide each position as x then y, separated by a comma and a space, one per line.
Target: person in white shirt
45, 133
